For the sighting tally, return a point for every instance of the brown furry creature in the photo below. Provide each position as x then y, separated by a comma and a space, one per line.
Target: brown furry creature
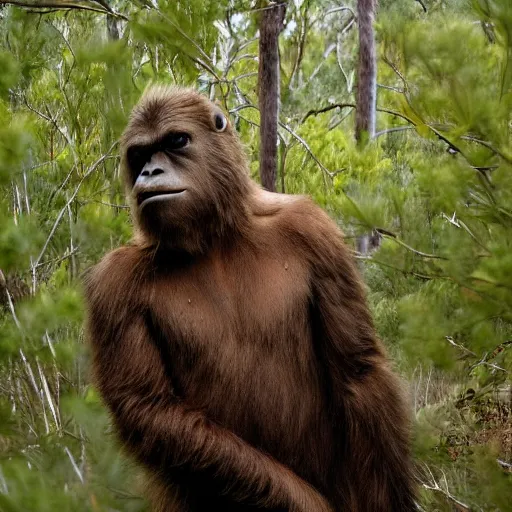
231, 340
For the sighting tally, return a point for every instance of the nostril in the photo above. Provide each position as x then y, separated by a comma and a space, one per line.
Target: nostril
157, 171
145, 172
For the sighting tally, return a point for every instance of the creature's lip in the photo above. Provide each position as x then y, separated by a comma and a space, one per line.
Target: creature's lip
155, 195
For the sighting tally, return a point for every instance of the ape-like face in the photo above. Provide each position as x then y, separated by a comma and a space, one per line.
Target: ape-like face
184, 170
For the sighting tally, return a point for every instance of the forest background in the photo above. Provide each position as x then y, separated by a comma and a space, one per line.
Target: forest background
425, 200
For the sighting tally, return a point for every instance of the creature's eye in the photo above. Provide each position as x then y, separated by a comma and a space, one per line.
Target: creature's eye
137, 157
220, 121
175, 141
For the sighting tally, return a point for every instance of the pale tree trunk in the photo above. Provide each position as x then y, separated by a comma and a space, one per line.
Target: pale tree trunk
271, 25
366, 100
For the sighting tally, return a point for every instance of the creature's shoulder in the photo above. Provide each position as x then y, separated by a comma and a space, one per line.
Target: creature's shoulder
304, 218
115, 274
304, 225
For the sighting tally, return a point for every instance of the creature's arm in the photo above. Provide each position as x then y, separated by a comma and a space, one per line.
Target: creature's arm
366, 397
166, 435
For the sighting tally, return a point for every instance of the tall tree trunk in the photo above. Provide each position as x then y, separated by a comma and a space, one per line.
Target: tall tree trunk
366, 100
271, 25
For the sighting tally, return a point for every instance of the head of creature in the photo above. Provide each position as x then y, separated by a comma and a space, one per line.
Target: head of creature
184, 169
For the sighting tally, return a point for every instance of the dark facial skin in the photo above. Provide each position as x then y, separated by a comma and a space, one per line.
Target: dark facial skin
170, 173
160, 180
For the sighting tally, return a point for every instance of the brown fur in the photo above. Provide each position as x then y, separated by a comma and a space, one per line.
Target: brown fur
234, 346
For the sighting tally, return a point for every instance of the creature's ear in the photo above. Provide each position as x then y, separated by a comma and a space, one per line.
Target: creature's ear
219, 121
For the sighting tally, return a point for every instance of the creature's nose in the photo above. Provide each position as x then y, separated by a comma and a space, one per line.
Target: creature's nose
149, 171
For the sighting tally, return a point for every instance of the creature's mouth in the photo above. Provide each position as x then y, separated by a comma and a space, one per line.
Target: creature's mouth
155, 195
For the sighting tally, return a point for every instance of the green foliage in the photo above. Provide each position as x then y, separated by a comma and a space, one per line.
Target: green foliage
435, 186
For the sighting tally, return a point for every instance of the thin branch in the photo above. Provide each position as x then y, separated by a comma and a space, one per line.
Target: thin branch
37, 166
261, 9
297, 137
10, 303
91, 169
390, 88
434, 486
186, 36
398, 73
352, 105
74, 464
442, 137
56, 261
242, 76
483, 362
66, 42
488, 145
392, 130
301, 47
462, 348
36, 5
327, 109
460, 224
46, 392
340, 9
206, 67
339, 60
504, 465
422, 5
392, 236
242, 107
425, 277
51, 119
247, 43
326, 54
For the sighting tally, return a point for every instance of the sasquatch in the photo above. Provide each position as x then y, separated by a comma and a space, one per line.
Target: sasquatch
231, 339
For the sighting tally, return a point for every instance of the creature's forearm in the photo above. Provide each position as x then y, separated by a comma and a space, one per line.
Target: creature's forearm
166, 435
163, 432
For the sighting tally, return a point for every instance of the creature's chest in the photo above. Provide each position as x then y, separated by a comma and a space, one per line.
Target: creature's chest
230, 328
229, 300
